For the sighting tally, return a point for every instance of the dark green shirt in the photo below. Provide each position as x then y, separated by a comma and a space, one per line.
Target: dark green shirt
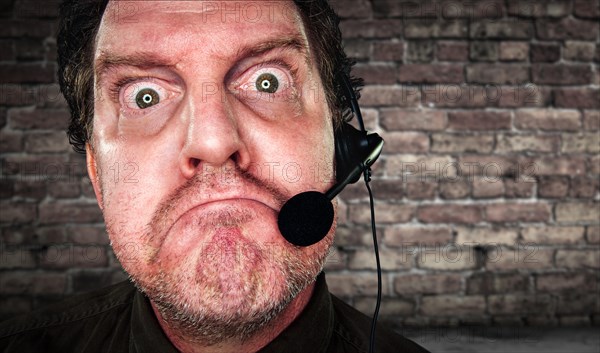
119, 318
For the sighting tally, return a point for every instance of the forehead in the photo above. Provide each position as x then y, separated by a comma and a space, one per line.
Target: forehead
180, 27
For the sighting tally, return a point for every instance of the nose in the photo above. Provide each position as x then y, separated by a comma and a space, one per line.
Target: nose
212, 136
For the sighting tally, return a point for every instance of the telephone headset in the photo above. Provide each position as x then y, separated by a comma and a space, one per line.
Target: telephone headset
306, 218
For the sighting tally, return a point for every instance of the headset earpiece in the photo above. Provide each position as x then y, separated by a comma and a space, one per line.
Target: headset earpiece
354, 148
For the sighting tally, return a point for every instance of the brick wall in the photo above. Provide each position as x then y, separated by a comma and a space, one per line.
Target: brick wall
487, 192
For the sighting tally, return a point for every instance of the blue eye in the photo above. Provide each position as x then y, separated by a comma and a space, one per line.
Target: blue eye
267, 83
146, 97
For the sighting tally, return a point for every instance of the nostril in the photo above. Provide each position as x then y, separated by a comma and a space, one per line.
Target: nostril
194, 162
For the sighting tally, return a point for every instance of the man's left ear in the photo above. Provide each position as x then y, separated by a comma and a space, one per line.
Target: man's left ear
92, 170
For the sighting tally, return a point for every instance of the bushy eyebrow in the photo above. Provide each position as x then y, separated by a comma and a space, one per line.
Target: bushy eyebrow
107, 61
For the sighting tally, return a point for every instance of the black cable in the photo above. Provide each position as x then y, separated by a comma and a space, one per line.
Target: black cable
376, 249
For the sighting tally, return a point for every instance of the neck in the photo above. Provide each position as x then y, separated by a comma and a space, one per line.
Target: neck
248, 345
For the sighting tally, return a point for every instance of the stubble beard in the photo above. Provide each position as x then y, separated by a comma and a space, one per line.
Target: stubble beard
214, 295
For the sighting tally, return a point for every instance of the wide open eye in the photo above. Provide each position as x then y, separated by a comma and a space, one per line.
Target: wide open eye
267, 83
147, 97
138, 96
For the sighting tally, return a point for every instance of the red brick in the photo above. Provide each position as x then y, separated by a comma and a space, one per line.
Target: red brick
527, 143
553, 235
416, 236
479, 120
431, 73
514, 51
384, 213
487, 187
65, 257
527, 95
518, 212
422, 167
456, 96
11, 142
581, 143
462, 143
389, 96
391, 260
452, 305
522, 257
382, 28
561, 74
577, 212
358, 49
547, 119
391, 189
490, 166
376, 74
497, 74
586, 8
451, 190
584, 187
593, 234
452, 51
30, 50
501, 29
557, 166
553, 186
352, 8
557, 282
427, 284
578, 258
568, 28
27, 73
406, 142
591, 120
16, 257
595, 165
353, 236
33, 8
579, 51
488, 283
483, 236
38, 119
348, 285
580, 98
420, 190
15, 213
411, 119
388, 51
58, 212
539, 8
518, 188
544, 52
446, 28
419, 51
483, 51
449, 213
46, 142
578, 303
520, 304
26, 28
51, 235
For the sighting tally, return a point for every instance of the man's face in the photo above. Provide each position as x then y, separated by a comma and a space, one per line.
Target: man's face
208, 116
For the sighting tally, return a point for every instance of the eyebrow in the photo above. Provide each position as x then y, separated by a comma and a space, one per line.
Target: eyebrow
108, 61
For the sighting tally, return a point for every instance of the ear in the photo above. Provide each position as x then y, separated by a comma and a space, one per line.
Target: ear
92, 170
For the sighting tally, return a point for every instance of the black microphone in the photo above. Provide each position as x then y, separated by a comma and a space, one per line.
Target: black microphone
307, 217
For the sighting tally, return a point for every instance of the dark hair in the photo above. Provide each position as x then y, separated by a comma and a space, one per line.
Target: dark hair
79, 22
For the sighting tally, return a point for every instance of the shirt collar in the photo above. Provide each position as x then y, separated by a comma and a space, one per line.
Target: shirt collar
310, 332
